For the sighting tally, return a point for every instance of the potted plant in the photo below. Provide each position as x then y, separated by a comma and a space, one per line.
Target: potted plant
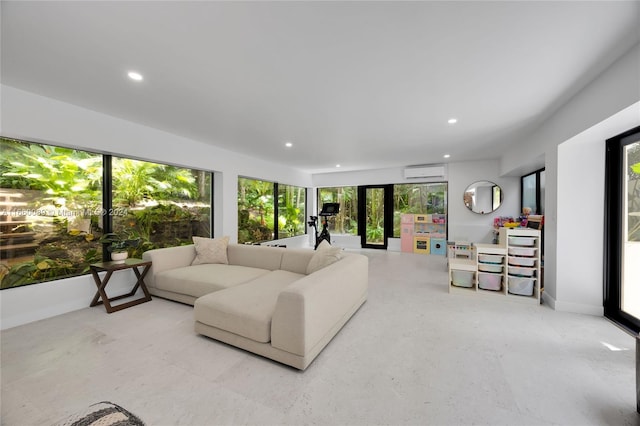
118, 245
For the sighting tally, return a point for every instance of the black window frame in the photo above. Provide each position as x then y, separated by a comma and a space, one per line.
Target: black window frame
613, 232
538, 192
276, 228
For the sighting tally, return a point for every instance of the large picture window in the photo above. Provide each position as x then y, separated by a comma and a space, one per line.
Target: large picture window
345, 222
418, 198
158, 204
255, 210
291, 210
53, 208
269, 211
50, 212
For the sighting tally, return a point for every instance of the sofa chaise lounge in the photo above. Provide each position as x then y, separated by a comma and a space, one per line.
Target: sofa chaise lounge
282, 303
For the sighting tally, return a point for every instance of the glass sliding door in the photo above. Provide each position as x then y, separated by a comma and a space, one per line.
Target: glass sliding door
630, 283
376, 215
622, 230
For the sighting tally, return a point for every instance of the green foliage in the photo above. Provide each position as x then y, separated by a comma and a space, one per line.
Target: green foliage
43, 268
69, 178
136, 181
118, 243
345, 222
255, 210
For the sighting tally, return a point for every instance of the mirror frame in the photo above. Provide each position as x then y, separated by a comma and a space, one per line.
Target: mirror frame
468, 202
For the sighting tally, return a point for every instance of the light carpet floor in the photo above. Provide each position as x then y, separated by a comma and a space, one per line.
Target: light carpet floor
413, 354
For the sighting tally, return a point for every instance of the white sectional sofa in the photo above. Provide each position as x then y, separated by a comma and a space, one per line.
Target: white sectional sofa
281, 303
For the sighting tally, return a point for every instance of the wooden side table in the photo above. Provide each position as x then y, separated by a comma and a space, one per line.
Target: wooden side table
110, 267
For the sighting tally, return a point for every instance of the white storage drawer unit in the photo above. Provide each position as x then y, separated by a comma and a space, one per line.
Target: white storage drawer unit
523, 270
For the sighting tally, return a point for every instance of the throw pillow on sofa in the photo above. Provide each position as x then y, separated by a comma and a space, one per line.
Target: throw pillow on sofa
210, 250
324, 256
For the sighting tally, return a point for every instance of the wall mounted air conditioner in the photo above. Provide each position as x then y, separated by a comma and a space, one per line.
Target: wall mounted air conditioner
420, 172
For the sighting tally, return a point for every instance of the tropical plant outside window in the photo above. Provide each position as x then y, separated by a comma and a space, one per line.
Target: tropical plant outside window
291, 210
51, 199
161, 205
345, 222
255, 210
418, 198
51, 212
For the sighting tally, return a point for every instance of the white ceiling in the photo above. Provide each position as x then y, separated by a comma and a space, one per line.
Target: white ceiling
362, 84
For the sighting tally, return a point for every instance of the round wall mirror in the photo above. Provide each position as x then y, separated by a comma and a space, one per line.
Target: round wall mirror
483, 197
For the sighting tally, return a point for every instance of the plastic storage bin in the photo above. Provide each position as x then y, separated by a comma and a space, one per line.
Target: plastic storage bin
490, 282
522, 241
490, 258
521, 272
522, 251
461, 278
521, 286
490, 267
522, 261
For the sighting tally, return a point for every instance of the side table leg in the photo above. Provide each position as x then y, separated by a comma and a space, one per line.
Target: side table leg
101, 294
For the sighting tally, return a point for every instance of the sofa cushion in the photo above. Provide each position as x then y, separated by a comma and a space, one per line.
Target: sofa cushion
210, 250
324, 256
296, 260
255, 256
245, 309
198, 280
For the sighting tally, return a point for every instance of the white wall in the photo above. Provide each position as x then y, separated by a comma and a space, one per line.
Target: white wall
580, 214
606, 107
465, 225
35, 118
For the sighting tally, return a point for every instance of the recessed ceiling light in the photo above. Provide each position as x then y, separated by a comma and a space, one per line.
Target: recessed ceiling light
135, 75
447, 155
452, 121
288, 144
337, 165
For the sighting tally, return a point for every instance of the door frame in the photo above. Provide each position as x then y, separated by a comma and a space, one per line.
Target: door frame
387, 217
613, 231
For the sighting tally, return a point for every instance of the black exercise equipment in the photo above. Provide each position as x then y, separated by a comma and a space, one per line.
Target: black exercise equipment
328, 209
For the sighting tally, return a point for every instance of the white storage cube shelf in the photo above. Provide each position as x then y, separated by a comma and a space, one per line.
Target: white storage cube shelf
510, 269
523, 263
